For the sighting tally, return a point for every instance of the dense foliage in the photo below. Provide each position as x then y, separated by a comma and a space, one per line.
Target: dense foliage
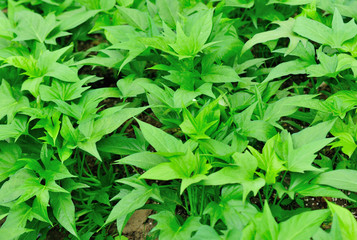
231, 119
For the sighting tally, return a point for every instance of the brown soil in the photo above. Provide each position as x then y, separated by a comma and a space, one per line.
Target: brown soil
139, 225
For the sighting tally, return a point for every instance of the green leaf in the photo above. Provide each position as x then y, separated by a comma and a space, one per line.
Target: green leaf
90, 4
118, 144
219, 74
120, 33
90, 147
9, 154
135, 48
168, 11
16, 220
161, 141
191, 38
240, 3
346, 61
32, 26
62, 90
15, 129
170, 228
163, 171
158, 42
341, 102
329, 66
206, 232
259, 129
303, 225
346, 141
265, 224
318, 32
32, 85
290, 2
40, 204
125, 3
268, 160
199, 26
107, 5
108, 121
217, 148
88, 103
346, 7
302, 183
242, 170
54, 170
285, 30
236, 213
5, 27
111, 119
299, 149
351, 46
252, 186
188, 167
335, 232
232, 211
9, 105
29, 64
50, 123
341, 31
206, 121
134, 17
182, 97
106, 57
68, 132
63, 210
10, 190
126, 206
312, 134
74, 18
294, 67
143, 160
62, 72
312, 30
130, 87
346, 221
25, 182
342, 179
188, 181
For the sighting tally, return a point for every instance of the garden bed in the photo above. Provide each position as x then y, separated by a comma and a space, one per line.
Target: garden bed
178, 119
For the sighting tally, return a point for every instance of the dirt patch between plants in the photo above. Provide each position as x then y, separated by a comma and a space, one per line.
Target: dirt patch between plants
139, 225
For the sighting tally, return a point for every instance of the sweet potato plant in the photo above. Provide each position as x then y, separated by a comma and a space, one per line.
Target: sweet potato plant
232, 119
